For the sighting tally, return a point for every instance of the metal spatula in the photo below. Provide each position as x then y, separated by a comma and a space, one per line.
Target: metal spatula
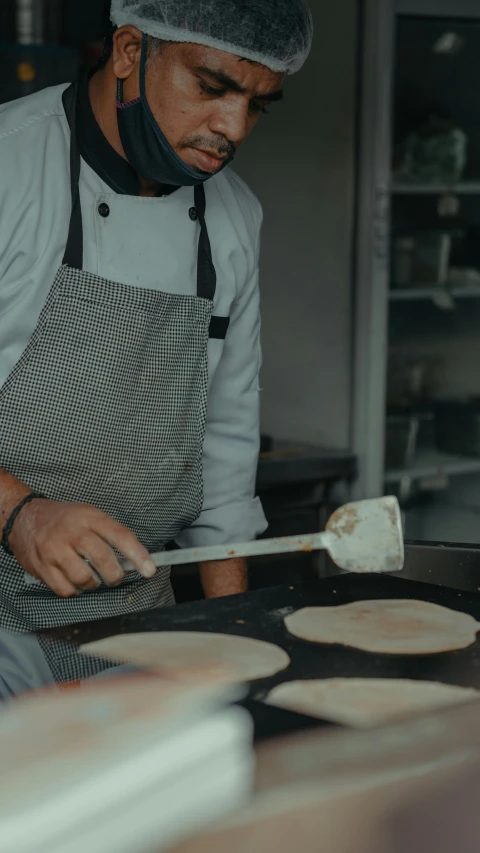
360, 537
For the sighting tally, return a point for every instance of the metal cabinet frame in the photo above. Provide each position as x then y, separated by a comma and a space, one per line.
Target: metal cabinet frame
372, 249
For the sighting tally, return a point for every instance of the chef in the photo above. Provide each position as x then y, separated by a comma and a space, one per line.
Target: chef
129, 310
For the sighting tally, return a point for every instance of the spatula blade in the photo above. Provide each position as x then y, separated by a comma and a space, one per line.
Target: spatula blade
368, 536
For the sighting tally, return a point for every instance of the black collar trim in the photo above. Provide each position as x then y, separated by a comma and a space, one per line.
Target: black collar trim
99, 154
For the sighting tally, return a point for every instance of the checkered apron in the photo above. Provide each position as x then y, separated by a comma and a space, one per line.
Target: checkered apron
107, 406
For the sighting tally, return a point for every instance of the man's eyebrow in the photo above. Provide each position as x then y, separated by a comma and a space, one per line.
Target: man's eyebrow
228, 82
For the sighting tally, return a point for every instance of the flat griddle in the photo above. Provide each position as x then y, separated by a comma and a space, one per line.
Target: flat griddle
261, 614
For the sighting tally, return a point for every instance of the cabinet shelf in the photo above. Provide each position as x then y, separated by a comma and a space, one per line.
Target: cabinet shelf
417, 294
434, 464
465, 188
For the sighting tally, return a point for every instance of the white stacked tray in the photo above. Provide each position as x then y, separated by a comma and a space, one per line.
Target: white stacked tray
130, 766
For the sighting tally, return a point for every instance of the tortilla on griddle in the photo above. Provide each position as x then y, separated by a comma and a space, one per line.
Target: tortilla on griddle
396, 627
190, 655
365, 702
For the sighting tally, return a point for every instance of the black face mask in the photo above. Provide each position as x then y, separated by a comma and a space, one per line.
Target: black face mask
147, 149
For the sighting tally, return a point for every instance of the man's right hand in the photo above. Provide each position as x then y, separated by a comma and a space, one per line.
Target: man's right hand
52, 541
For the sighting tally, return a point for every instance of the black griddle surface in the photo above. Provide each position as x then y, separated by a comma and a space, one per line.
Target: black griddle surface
261, 615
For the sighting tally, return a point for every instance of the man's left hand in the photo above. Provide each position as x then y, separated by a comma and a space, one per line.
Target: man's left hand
224, 577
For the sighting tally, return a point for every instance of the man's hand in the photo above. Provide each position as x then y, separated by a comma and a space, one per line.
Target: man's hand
225, 577
51, 541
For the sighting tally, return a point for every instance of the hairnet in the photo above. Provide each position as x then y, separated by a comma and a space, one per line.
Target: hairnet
276, 33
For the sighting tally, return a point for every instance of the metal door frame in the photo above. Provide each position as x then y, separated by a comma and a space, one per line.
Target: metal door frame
372, 244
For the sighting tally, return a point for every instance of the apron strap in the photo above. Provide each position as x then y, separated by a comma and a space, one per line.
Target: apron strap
74, 251
206, 275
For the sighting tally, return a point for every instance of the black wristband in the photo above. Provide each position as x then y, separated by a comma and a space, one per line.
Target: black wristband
11, 521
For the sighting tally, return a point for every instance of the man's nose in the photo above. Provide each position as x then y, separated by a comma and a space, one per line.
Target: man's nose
230, 121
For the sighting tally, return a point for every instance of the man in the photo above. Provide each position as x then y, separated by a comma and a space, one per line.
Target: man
129, 310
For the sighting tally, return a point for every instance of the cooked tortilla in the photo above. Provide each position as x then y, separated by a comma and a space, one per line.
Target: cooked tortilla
191, 655
365, 702
396, 627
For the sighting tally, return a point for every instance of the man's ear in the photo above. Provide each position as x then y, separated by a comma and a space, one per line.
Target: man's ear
127, 50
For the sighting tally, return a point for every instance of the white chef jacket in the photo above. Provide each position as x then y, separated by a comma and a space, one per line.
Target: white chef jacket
148, 243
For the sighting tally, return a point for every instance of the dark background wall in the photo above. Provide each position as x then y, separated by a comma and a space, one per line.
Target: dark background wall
301, 163
74, 23
86, 21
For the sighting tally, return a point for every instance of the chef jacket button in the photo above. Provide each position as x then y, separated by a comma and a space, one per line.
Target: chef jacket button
193, 214
104, 210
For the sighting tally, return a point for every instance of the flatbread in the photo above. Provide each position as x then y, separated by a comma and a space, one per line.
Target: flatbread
365, 702
189, 655
396, 627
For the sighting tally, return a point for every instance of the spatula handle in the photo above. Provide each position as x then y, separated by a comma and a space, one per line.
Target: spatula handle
261, 547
